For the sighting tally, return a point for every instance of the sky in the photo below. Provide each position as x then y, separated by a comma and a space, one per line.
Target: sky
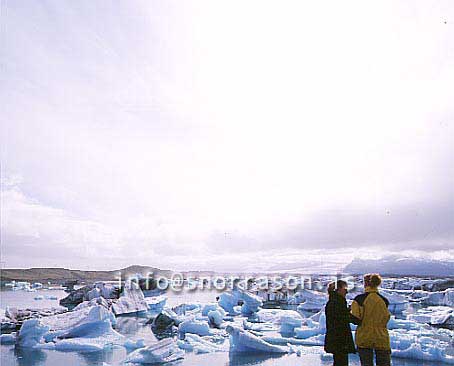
231, 136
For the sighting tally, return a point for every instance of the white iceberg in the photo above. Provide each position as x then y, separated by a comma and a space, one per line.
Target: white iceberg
163, 351
198, 344
312, 327
434, 315
216, 317
242, 341
209, 307
131, 301
289, 321
31, 333
194, 326
440, 298
309, 300
397, 302
230, 300
8, 338
156, 303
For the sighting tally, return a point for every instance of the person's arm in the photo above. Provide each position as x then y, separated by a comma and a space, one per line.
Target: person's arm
356, 313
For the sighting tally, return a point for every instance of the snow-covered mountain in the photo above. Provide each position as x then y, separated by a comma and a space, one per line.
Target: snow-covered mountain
401, 266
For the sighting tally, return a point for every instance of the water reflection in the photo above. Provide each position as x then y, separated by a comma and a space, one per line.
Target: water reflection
251, 359
29, 357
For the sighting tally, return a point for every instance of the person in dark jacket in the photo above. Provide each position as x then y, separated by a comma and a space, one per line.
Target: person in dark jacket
338, 338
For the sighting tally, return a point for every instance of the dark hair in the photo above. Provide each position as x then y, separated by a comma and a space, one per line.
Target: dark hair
333, 286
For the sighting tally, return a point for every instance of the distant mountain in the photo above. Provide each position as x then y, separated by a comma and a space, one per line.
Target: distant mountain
394, 265
59, 275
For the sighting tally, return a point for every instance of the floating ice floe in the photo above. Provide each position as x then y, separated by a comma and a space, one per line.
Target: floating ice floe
397, 302
88, 329
198, 344
39, 297
195, 327
161, 352
216, 317
131, 301
186, 309
285, 320
250, 303
309, 300
431, 345
156, 303
434, 315
31, 333
229, 301
209, 307
314, 326
242, 341
8, 338
440, 298
87, 293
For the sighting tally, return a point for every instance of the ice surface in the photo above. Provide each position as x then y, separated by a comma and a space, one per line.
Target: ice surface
163, 351
242, 341
434, 315
397, 302
156, 303
194, 326
31, 333
131, 301
309, 300
229, 300
216, 317
8, 338
198, 344
71, 320
312, 327
440, 298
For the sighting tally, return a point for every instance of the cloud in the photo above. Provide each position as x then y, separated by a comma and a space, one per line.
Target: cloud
154, 131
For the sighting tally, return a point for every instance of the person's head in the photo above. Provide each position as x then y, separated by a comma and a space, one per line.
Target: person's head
340, 286
372, 280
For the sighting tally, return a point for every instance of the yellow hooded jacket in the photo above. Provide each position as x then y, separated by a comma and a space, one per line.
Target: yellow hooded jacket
372, 310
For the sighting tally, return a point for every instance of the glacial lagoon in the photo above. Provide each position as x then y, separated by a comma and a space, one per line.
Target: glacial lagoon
138, 327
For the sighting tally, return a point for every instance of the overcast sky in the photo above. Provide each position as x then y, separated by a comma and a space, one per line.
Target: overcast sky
225, 135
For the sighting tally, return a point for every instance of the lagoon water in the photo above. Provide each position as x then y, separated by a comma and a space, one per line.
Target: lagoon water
135, 327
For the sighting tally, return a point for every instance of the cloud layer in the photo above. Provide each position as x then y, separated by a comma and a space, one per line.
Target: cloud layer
206, 137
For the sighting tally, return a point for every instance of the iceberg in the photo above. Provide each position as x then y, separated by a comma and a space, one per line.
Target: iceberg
228, 301
309, 300
88, 329
195, 327
209, 307
440, 298
289, 321
242, 341
87, 293
191, 308
72, 320
430, 345
31, 333
216, 317
312, 327
434, 315
8, 338
131, 301
250, 303
163, 351
156, 304
397, 302
198, 344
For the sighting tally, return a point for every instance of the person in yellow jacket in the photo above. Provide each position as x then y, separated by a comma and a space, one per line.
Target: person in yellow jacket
371, 310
